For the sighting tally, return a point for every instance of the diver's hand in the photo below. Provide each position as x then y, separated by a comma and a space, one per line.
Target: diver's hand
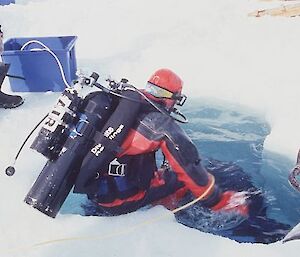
231, 201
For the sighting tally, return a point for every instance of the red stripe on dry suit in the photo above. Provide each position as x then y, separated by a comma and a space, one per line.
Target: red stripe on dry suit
140, 195
172, 201
183, 176
157, 180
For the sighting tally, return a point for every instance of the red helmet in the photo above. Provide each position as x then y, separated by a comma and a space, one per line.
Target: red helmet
165, 87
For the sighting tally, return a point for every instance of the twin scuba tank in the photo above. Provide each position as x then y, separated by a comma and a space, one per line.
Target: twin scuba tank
65, 138
61, 120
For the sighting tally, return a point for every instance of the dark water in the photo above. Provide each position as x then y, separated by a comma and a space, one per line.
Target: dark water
231, 143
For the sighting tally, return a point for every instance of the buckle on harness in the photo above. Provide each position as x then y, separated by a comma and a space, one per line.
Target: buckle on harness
116, 169
81, 127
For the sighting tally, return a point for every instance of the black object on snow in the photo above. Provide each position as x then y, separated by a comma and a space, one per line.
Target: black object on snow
7, 101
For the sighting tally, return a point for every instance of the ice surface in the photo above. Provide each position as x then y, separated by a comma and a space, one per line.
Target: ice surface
218, 51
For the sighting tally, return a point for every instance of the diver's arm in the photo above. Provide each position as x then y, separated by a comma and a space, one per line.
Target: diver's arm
185, 161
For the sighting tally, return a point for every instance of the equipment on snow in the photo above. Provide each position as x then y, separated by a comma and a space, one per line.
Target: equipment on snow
291, 10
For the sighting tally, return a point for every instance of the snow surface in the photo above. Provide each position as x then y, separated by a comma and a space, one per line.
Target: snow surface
219, 52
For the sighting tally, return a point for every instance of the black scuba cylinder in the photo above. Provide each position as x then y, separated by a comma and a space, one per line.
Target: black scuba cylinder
57, 178
57, 125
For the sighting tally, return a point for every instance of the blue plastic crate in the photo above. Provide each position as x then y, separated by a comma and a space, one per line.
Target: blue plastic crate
39, 68
7, 2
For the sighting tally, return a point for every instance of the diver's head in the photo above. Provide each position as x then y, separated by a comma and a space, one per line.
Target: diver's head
165, 87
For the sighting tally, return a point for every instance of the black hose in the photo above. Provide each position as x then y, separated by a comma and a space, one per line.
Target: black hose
15, 76
10, 170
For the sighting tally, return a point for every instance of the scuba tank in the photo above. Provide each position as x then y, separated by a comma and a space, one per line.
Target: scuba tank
65, 138
56, 128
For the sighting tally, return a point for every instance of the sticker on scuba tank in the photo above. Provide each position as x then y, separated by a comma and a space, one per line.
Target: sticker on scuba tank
55, 117
97, 149
111, 133
116, 169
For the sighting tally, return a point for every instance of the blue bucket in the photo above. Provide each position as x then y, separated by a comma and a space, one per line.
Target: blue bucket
7, 2
39, 68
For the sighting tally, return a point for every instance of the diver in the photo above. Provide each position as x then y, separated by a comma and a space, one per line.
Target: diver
6, 101
120, 174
